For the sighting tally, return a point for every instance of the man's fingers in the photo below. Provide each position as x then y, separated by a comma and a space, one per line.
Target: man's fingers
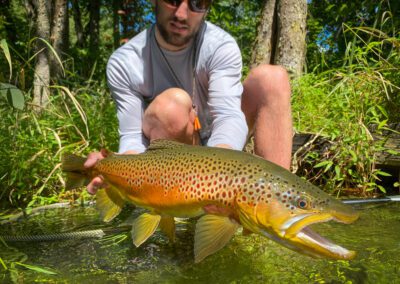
92, 159
95, 184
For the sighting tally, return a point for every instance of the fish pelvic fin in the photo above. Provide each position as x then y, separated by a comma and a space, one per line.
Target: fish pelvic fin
167, 225
109, 203
144, 227
212, 233
77, 174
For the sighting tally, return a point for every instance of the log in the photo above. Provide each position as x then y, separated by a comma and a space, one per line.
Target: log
389, 157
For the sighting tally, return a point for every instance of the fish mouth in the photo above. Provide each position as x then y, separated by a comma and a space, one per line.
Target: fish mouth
302, 238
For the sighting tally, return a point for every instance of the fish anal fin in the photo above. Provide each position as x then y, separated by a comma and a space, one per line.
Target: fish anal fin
213, 232
143, 227
109, 203
167, 225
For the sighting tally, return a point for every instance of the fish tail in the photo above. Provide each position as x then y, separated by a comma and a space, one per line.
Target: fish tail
77, 174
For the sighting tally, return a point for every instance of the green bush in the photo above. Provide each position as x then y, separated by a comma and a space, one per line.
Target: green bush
341, 104
79, 121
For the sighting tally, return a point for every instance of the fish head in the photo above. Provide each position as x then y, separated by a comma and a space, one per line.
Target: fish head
285, 212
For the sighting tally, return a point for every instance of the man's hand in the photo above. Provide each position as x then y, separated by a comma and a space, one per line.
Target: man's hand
225, 146
96, 182
92, 159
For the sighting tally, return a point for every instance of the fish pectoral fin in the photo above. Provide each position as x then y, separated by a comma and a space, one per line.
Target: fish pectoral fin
212, 233
143, 227
109, 203
167, 225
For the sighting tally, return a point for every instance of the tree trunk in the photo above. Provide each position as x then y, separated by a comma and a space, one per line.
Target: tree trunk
94, 30
41, 79
117, 6
281, 35
80, 34
265, 41
291, 46
59, 35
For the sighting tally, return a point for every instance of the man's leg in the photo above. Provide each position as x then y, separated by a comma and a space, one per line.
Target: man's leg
170, 116
266, 105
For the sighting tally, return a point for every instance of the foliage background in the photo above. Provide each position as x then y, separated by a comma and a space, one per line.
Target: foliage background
351, 81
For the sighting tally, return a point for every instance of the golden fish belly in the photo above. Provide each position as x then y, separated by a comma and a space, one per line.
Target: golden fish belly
176, 199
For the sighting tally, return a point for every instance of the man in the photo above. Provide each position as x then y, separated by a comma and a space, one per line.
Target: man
184, 72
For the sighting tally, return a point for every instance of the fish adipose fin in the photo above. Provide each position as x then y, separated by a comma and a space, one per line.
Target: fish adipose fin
167, 225
109, 203
143, 227
212, 233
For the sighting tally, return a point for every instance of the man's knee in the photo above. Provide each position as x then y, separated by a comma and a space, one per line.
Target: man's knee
268, 84
169, 116
268, 72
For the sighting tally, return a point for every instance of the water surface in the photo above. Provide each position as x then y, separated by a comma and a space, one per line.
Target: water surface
246, 259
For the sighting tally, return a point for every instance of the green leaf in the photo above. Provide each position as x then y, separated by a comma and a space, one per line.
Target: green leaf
353, 155
382, 124
385, 174
4, 46
13, 95
337, 171
3, 264
381, 188
392, 152
322, 164
36, 268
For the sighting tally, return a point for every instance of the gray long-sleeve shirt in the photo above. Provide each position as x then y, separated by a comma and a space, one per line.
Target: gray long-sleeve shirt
137, 72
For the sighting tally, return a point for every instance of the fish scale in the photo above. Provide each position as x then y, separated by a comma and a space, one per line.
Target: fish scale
228, 188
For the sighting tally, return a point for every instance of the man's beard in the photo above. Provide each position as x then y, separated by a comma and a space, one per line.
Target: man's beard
172, 39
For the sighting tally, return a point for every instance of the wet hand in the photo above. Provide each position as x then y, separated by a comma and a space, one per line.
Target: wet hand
92, 159
96, 182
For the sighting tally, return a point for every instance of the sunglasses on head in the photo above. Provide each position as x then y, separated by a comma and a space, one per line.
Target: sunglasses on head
199, 6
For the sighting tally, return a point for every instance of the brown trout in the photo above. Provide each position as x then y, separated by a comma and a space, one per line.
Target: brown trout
228, 188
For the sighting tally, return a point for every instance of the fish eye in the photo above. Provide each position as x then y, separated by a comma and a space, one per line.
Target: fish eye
303, 203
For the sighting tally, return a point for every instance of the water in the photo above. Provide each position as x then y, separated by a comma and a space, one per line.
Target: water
246, 259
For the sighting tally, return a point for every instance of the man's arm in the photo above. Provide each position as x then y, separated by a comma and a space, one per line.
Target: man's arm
129, 112
129, 102
229, 126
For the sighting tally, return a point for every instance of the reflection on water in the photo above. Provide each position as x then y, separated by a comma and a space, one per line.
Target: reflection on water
246, 259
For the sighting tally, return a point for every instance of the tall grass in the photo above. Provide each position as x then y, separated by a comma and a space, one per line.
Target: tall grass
78, 119
341, 104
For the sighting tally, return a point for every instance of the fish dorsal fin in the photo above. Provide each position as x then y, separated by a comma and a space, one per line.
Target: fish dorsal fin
167, 225
160, 144
143, 227
212, 233
109, 203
